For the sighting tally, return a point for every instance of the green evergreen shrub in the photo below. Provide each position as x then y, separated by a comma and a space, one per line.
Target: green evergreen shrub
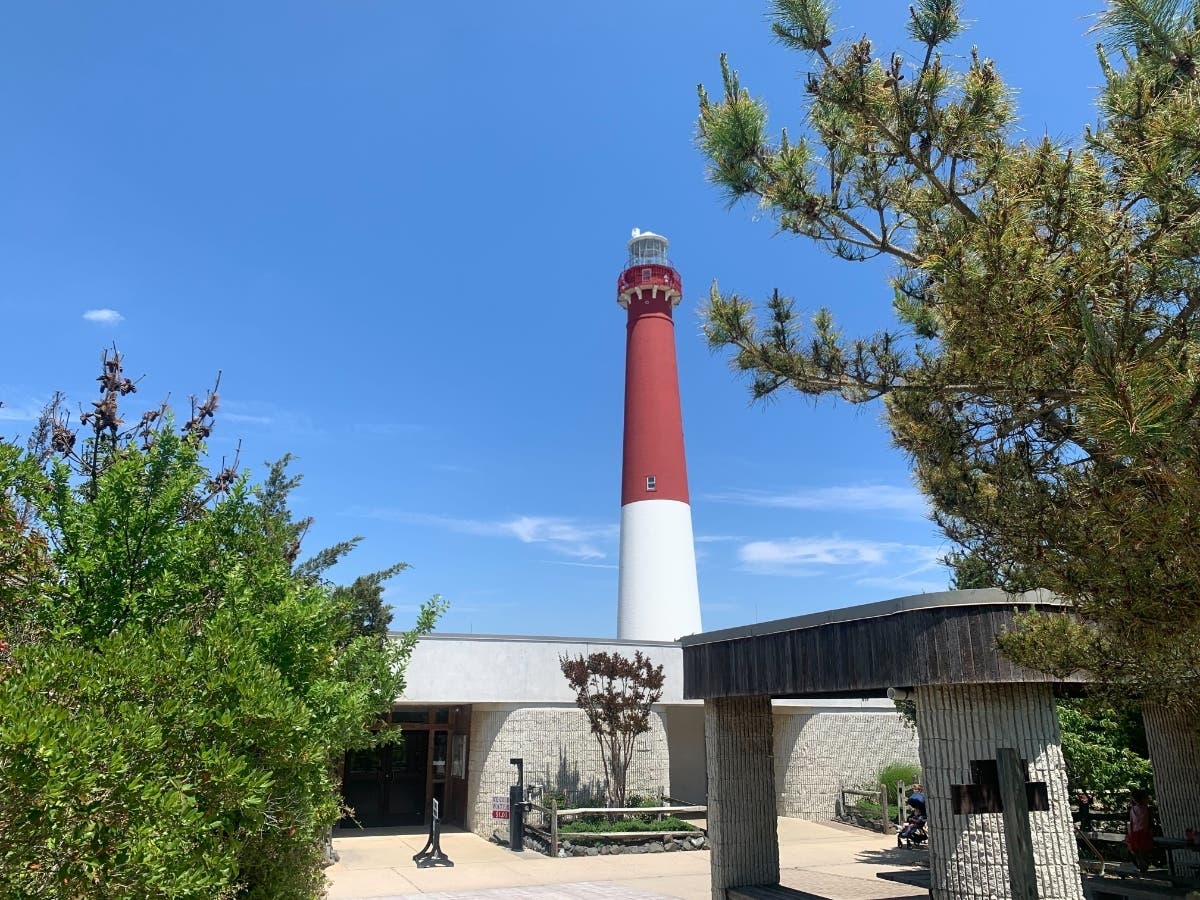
174, 686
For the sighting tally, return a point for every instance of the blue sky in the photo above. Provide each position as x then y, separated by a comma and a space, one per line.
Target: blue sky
395, 229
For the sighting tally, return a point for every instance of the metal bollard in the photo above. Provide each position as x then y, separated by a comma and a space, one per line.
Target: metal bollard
516, 808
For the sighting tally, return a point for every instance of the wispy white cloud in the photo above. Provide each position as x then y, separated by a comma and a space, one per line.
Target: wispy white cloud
924, 573
901, 500
716, 538
27, 411
570, 537
806, 552
564, 535
924, 558
103, 316
584, 565
873, 561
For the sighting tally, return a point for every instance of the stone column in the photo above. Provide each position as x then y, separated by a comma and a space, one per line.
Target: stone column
741, 793
1175, 755
965, 722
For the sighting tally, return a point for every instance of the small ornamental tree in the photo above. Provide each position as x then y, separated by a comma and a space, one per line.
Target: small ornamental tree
616, 693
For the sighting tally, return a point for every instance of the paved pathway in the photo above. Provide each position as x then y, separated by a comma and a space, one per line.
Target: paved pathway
584, 890
828, 860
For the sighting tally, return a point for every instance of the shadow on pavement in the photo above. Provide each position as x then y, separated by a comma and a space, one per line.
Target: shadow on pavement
894, 856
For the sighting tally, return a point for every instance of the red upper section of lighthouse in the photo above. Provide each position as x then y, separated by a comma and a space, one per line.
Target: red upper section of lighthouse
649, 278
654, 466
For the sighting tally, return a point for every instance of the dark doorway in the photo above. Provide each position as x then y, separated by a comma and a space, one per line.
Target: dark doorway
385, 785
394, 783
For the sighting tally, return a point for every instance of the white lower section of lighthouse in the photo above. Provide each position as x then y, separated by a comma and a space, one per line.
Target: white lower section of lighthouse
658, 598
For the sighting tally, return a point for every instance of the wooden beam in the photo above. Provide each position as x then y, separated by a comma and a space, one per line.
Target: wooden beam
1018, 838
858, 657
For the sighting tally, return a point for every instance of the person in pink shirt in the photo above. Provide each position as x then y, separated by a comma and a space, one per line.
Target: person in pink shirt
1138, 836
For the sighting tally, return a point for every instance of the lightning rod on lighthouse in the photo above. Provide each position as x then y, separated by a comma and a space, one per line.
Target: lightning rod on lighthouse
658, 597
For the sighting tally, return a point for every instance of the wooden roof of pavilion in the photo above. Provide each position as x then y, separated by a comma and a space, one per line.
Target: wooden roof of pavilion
861, 651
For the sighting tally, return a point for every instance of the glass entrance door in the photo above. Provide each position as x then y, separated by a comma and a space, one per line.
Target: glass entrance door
385, 785
406, 783
394, 783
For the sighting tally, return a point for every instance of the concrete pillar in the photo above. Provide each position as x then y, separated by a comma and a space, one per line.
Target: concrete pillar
1175, 755
741, 793
961, 723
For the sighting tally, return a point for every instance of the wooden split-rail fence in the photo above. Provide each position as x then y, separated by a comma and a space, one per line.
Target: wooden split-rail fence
551, 816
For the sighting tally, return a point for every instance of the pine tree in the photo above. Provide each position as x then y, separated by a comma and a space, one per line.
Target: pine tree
1043, 373
369, 615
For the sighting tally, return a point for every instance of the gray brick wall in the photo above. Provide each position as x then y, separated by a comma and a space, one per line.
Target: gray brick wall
967, 855
819, 753
1174, 752
559, 752
816, 754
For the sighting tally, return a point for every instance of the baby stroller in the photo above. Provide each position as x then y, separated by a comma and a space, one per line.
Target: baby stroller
914, 832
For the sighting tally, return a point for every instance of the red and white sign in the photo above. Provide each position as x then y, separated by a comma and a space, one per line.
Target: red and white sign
499, 807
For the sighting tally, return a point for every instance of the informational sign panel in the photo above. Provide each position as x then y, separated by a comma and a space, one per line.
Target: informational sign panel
499, 807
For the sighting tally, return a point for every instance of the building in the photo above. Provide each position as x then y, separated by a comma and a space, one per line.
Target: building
474, 702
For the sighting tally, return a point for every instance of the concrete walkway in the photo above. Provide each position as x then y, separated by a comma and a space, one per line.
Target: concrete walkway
827, 860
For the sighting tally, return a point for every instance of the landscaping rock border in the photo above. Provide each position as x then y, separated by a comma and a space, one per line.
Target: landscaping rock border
654, 845
853, 818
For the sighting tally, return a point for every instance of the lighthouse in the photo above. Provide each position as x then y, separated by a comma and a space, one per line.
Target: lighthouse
658, 598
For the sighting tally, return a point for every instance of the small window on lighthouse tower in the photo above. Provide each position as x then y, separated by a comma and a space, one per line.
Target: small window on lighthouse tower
651, 483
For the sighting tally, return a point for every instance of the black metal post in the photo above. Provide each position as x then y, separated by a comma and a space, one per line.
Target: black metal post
431, 854
516, 808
